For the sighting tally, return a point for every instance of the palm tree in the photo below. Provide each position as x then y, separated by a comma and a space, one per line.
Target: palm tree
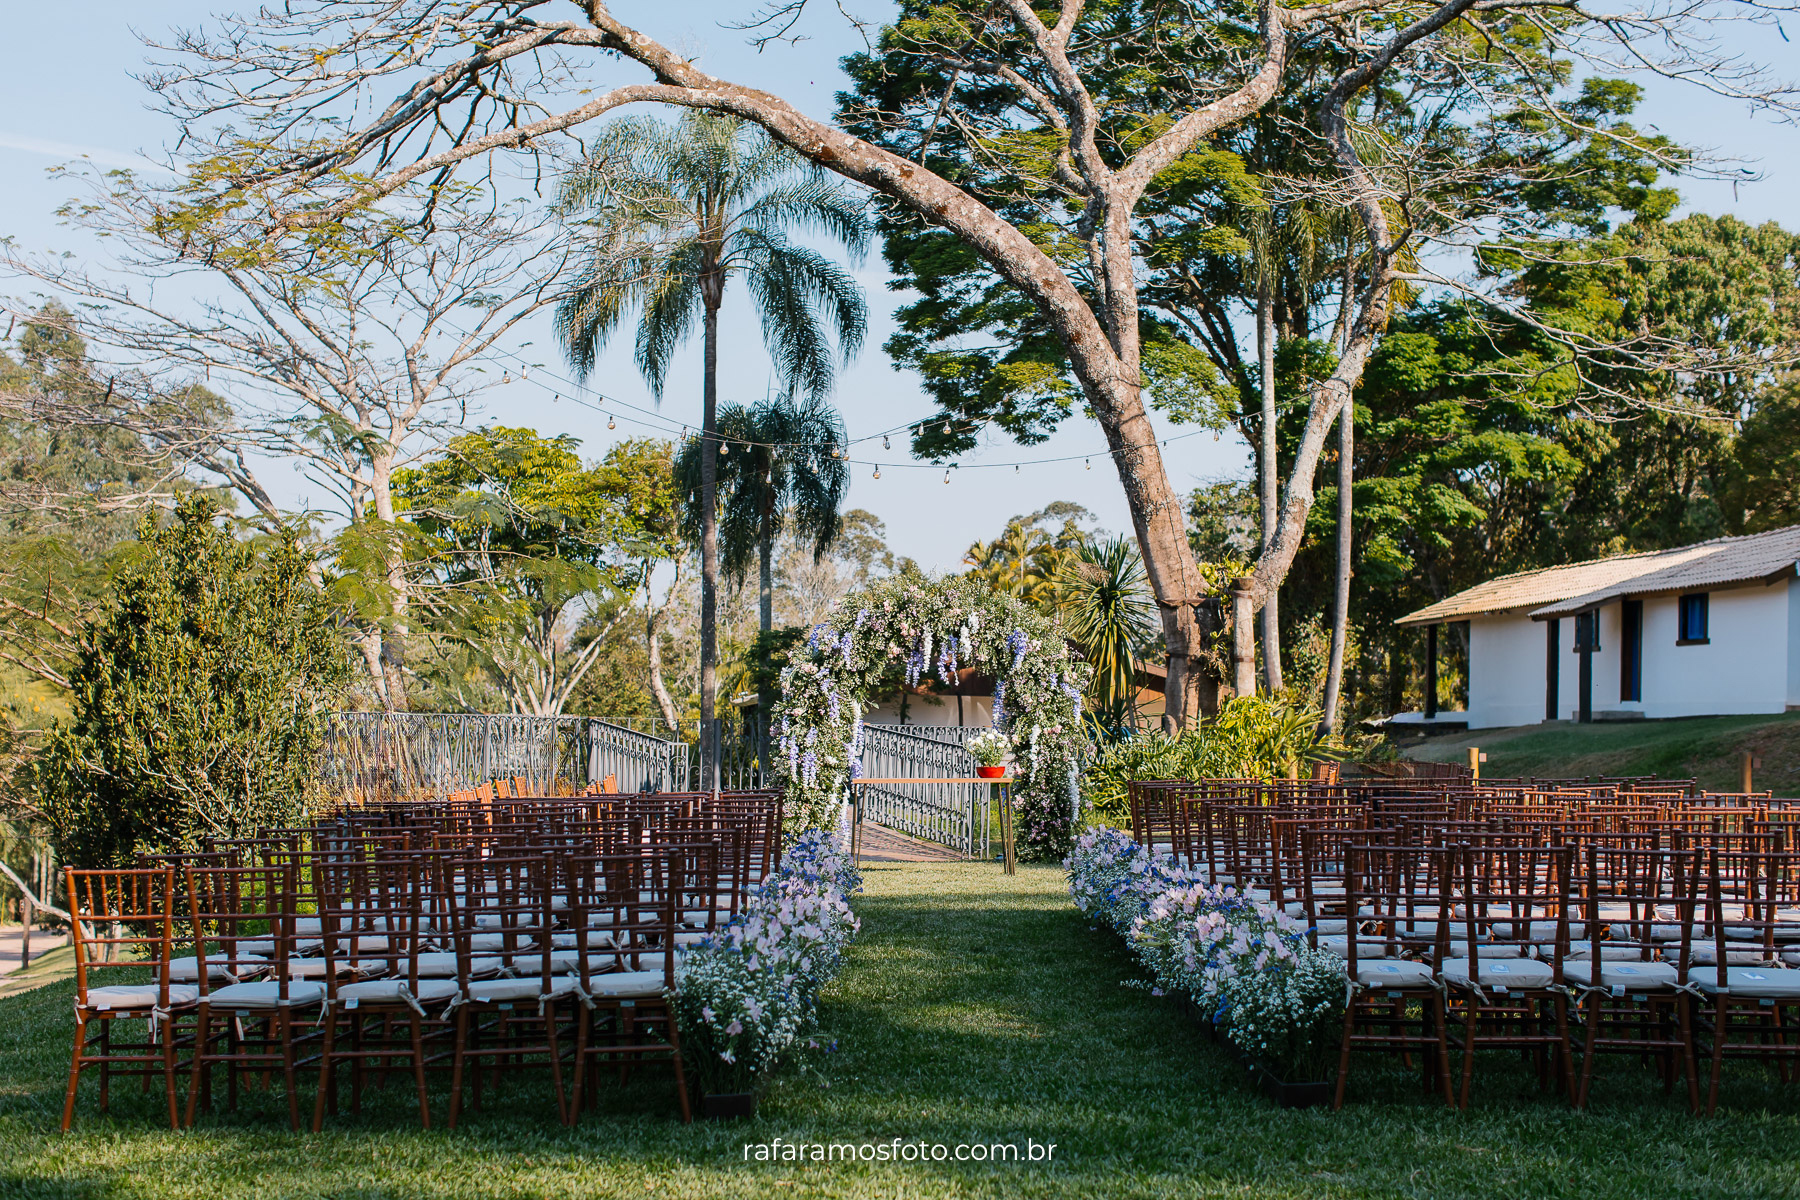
784, 462
1106, 607
1024, 561
670, 214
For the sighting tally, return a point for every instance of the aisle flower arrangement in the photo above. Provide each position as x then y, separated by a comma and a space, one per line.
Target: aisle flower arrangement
746, 995
1243, 962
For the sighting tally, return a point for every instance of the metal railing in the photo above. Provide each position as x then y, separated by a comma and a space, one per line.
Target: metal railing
958, 815
402, 754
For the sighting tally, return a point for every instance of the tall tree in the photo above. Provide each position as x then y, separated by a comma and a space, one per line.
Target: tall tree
528, 540
1087, 107
347, 356
671, 213
1106, 608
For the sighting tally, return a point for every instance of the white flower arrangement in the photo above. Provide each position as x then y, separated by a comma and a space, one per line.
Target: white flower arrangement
745, 996
1241, 960
990, 747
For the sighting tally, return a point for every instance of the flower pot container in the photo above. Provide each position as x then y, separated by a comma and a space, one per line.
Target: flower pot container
991, 772
727, 1106
1286, 1094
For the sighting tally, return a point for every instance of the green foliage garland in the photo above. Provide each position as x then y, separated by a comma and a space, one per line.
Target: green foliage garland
918, 628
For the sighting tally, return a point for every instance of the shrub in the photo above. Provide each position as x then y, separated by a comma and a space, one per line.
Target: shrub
200, 693
1251, 738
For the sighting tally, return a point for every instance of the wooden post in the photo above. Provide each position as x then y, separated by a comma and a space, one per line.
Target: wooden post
1749, 768
1430, 672
25, 934
1475, 761
1243, 639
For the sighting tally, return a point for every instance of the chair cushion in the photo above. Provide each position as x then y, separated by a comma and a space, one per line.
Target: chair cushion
1760, 982
1339, 944
496, 991
1392, 973
1538, 930
1633, 976
1737, 954
187, 970
314, 968
1521, 973
1460, 949
626, 985
1625, 952
141, 996
441, 964
267, 994
395, 991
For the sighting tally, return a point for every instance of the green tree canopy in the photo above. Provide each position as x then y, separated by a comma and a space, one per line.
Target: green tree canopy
200, 693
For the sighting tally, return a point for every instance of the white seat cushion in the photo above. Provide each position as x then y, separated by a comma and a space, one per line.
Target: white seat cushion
626, 985
1339, 944
143, 996
1584, 950
1460, 949
314, 968
1392, 973
1523, 973
187, 970
1537, 931
499, 991
395, 991
1759, 982
267, 994
1632, 976
441, 964
1737, 954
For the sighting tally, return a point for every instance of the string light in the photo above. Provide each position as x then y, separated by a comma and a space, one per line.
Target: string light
610, 423
724, 448
885, 444
946, 427
506, 377
878, 472
946, 477
1088, 463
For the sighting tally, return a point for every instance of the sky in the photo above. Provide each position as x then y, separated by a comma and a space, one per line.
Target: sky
79, 98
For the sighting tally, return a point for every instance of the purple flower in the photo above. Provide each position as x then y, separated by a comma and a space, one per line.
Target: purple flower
1018, 642
736, 1027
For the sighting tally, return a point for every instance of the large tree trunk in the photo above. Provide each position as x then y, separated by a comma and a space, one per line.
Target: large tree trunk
709, 552
765, 603
653, 623
1265, 357
1340, 614
394, 631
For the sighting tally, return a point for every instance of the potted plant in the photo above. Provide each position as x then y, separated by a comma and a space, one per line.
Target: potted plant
1288, 1023
737, 1020
990, 748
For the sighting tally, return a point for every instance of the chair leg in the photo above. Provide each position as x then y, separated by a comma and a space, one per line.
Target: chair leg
687, 1113
285, 1030
1587, 1056
1468, 1063
1441, 1014
327, 1072
583, 1017
1343, 1075
1720, 1019
168, 1045
202, 1040
556, 1076
1684, 1010
1564, 1048
418, 1062
75, 1066
456, 1064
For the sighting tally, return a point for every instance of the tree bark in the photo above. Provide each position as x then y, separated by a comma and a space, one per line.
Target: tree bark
399, 606
1340, 614
1243, 638
709, 550
653, 623
1267, 464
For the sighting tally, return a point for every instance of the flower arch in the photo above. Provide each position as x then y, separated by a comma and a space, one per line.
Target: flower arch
911, 627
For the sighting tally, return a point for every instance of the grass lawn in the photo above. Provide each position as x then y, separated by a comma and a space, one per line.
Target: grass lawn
975, 1009
1709, 749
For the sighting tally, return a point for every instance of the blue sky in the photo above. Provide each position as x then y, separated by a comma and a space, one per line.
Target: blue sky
64, 97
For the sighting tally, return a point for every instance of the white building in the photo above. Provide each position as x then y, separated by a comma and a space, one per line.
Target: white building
1699, 630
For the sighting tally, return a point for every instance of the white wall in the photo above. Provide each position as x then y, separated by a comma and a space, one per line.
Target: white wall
977, 711
1743, 668
1751, 663
1506, 671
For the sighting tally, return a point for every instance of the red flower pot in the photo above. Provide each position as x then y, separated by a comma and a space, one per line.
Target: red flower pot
991, 772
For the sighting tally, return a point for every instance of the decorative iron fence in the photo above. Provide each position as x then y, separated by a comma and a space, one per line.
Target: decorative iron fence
393, 754
958, 815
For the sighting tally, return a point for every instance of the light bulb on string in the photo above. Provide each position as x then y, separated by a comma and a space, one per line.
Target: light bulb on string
724, 448
885, 444
946, 477
610, 423
1088, 463
506, 377
946, 427
1015, 468
878, 472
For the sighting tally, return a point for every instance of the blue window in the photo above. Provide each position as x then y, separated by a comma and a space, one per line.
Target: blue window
1691, 626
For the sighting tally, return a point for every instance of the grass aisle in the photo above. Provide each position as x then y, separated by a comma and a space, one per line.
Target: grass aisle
975, 1010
